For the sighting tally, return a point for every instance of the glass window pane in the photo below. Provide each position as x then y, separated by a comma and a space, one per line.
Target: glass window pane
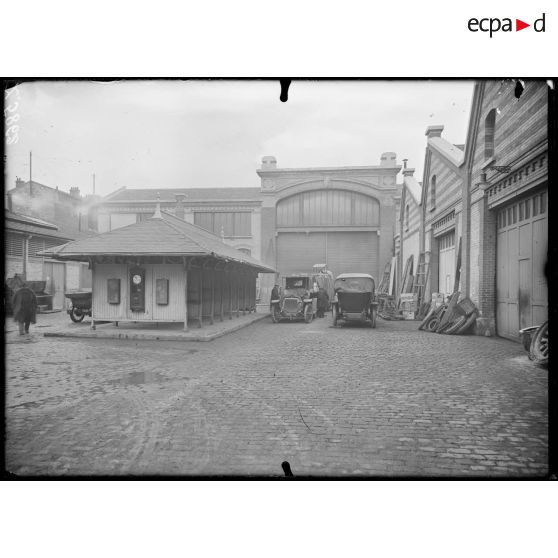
543, 202
514, 214
521, 204
527, 209
535, 206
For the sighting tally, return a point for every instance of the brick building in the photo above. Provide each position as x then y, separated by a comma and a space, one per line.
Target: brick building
490, 194
409, 221
505, 191
442, 209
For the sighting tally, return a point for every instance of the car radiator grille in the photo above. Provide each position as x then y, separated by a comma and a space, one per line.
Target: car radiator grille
291, 305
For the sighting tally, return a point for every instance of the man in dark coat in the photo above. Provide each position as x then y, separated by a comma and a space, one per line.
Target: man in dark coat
274, 296
323, 301
25, 308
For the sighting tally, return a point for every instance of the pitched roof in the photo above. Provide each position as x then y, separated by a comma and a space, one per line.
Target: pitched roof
191, 194
32, 225
414, 188
450, 151
157, 236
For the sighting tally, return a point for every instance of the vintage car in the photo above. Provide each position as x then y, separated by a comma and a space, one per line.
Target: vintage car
296, 301
354, 299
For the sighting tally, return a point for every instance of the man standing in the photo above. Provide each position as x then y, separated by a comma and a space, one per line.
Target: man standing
323, 302
274, 296
25, 308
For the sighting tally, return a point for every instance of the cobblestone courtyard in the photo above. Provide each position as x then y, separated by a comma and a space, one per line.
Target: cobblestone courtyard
332, 401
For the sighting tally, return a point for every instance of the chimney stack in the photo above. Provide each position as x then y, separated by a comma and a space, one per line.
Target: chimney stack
179, 210
388, 159
74, 192
269, 162
434, 131
408, 171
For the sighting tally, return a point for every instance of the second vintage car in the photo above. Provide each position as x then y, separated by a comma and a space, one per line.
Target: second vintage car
354, 299
296, 301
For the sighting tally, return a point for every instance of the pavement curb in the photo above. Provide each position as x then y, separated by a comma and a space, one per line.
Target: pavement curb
153, 336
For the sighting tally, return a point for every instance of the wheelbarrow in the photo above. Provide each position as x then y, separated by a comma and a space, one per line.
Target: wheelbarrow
80, 305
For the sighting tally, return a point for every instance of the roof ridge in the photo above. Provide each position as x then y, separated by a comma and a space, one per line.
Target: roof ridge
177, 228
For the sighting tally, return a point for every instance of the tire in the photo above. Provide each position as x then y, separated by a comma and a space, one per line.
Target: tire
539, 346
470, 321
77, 315
373, 319
455, 326
334, 314
432, 325
308, 314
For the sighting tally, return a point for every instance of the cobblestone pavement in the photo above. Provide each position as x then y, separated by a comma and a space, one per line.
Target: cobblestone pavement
332, 401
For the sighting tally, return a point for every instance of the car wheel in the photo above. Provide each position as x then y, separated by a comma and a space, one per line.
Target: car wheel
334, 314
455, 326
373, 318
77, 315
539, 346
470, 321
308, 314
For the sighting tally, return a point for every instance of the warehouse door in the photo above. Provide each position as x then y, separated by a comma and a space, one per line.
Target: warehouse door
343, 252
446, 263
521, 250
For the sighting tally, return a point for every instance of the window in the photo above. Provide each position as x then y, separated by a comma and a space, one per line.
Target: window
36, 245
229, 223
433, 192
489, 130
13, 244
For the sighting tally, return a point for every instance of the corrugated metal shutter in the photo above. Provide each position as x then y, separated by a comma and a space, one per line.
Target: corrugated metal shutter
352, 252
298, 252
344, 252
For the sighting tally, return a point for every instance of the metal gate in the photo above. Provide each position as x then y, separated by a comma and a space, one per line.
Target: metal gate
521, 251
343, 252
446, 263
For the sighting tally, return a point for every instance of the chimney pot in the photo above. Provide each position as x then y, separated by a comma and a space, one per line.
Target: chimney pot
179, 209
434, 131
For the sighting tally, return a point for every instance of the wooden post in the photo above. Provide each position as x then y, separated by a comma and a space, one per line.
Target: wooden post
222, 289
185, 297
244, 292
212, 297
92, 267
200, 314
230, 295
237, 294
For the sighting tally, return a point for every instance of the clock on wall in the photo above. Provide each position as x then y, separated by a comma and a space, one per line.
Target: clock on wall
136, 279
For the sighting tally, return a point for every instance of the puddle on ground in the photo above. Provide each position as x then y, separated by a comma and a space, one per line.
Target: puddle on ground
138, 378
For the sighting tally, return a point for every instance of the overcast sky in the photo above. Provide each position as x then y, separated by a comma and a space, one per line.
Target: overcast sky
172, 134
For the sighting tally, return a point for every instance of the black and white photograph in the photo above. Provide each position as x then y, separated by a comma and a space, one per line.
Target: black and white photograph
265, 278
